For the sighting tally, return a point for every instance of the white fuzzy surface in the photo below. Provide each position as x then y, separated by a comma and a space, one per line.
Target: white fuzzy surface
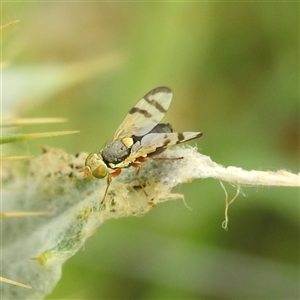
54, 185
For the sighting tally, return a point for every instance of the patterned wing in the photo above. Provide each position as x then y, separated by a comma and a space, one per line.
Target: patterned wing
154, 141
146, 113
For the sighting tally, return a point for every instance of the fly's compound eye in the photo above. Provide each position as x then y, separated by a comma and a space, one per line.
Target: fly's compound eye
95, 168
100, 172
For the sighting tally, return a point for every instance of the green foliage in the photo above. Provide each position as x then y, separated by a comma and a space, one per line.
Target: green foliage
233, 68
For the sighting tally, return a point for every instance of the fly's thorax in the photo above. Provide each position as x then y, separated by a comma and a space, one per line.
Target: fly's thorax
116, 151
95, 167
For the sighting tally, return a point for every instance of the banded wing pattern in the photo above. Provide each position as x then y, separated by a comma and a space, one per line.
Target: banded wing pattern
151, 142
145, 114
139, 137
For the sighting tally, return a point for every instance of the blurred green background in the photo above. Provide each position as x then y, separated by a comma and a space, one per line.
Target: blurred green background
234, 71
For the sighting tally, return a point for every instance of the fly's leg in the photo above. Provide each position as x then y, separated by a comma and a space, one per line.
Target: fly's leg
163, 158
109, 179
139, 166
143, 159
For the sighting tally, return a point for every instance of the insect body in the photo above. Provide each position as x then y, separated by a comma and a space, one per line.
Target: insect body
138, 138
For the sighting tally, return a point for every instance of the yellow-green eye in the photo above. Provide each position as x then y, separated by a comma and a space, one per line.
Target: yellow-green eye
100, 172
95, 168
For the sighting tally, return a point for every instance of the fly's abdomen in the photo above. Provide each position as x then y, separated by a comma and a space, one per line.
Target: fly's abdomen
159, 128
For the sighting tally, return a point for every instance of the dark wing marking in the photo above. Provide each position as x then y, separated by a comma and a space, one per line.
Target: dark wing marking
152, 141
145, 114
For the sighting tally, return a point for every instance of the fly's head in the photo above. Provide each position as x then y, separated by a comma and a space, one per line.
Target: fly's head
95, 168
